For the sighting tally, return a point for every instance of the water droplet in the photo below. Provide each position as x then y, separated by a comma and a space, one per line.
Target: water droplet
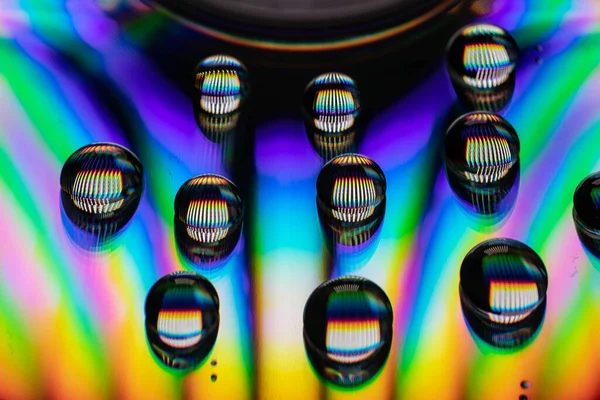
351, 190
213, 363
213, 378
586, 212
539, 48
503, 286
482, 163
101, 186
523, 397
538, 60
525, 384
182, 319
332, 108
481, 61
348, 325
220, 85
208, 219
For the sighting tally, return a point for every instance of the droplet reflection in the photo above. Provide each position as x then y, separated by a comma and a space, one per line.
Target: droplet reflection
586, 212
182, 319
348, 325
351, 190
332, 110
220, 85
208, 219
482, 163
503, 286
101, 187
481, 61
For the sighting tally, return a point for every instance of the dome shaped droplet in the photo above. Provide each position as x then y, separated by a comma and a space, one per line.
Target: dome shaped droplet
503, 281
351, 189
101, 181
182, 319
332, 102
348, 325
208, 218
481, 61
481, 148
482, 165
220, 85
586, 212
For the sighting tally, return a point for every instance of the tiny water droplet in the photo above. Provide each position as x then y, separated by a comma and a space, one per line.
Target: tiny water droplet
348, 325
503, 286
481, 62
213, 363
101, 186
213, 378
351, 190
482, 162
208, 218
523, 397
332, 108
525, 384
182, 319
538, 60
586, 212
220, 85
539, 48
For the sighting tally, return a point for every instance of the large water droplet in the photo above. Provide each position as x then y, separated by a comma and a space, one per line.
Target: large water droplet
348, 325
208, 219
503, 286
586, 212
220, 85
182, 319
481, 148
481, 61
351, 190
101, 186
482, 164
332, 109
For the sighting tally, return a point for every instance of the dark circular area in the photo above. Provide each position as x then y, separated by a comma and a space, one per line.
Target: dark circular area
301, 21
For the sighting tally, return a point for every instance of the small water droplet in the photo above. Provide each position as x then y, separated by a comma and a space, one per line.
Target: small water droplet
182, 319
523, 397
481, 62
208, 219
586, 212
525, 384
538, 60
101, 186
220, 85
213, 363
332, 108
482, 162
348, 325
539, 48
351, 190
213, 378
503, 286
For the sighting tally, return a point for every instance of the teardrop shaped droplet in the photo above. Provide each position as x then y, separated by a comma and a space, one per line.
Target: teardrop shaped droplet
503, 286
348, 325
481, 61
101, 186
332, 107
351, 190
220, 85
586, 212
208, 218
182, 319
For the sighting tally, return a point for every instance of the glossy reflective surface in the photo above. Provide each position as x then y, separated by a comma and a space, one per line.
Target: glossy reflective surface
72, 322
